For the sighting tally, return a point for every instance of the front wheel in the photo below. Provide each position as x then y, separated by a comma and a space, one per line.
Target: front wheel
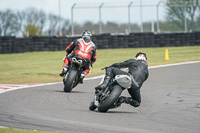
70, 81
111, 99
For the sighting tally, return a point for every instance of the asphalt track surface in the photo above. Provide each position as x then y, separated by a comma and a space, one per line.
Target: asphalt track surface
170, 104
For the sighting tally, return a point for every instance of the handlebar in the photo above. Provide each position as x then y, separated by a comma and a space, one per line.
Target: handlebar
105, 67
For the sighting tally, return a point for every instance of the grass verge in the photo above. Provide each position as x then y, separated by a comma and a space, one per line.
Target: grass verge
12, 130
44, 67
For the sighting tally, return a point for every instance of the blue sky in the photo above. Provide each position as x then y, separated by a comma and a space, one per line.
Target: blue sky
119, 15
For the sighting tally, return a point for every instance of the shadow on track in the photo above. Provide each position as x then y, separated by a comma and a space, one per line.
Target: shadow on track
69, 92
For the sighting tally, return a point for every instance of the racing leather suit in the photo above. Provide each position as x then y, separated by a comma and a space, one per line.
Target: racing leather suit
137, 70
85, 48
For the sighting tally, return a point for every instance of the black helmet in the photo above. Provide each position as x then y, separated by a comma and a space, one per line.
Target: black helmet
87, 34
141, 56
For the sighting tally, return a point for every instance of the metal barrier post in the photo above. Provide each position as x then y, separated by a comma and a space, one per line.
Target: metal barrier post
158, 26
141, 16
72, 23
100, 28
129, 23
185, 20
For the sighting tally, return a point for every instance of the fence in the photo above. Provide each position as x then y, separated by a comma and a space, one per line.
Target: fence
103, 41
150, 15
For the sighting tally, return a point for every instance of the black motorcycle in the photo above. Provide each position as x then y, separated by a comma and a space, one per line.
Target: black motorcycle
72, 77
108, 99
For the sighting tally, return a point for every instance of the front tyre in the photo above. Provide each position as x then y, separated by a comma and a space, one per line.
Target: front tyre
70, 81
111, 99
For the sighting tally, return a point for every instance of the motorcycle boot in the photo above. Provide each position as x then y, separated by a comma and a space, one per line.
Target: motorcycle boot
64, 71
118, 103
134, 103
104, 84
122, 99
82, 77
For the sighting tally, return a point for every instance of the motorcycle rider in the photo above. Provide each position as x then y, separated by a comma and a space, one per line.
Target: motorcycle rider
137, 71
83, 47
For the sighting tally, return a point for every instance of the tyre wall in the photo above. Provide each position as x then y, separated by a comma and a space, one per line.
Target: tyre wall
103, 41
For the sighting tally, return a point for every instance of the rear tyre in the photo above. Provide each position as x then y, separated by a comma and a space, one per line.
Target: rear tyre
111, 99
70, 81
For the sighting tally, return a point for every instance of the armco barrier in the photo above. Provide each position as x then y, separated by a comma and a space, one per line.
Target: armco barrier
103, 41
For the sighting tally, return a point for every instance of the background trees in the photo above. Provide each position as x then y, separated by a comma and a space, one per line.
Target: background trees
31, 20
32, 30
8, 23
180, 14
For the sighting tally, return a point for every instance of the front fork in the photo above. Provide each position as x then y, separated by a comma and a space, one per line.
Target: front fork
96, 101
65, 77
102, 95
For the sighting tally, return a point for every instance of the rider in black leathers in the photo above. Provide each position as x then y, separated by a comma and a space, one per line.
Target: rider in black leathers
137, 70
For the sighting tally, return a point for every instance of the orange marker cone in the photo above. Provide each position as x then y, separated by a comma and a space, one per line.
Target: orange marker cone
166, 54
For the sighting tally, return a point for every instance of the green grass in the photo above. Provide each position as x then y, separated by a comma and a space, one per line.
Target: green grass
44, 67
12, 130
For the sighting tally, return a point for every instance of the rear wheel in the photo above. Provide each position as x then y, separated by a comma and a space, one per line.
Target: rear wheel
111, 99
70, 81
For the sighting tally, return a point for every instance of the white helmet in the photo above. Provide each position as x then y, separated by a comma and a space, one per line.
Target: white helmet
141, 56
86, 33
